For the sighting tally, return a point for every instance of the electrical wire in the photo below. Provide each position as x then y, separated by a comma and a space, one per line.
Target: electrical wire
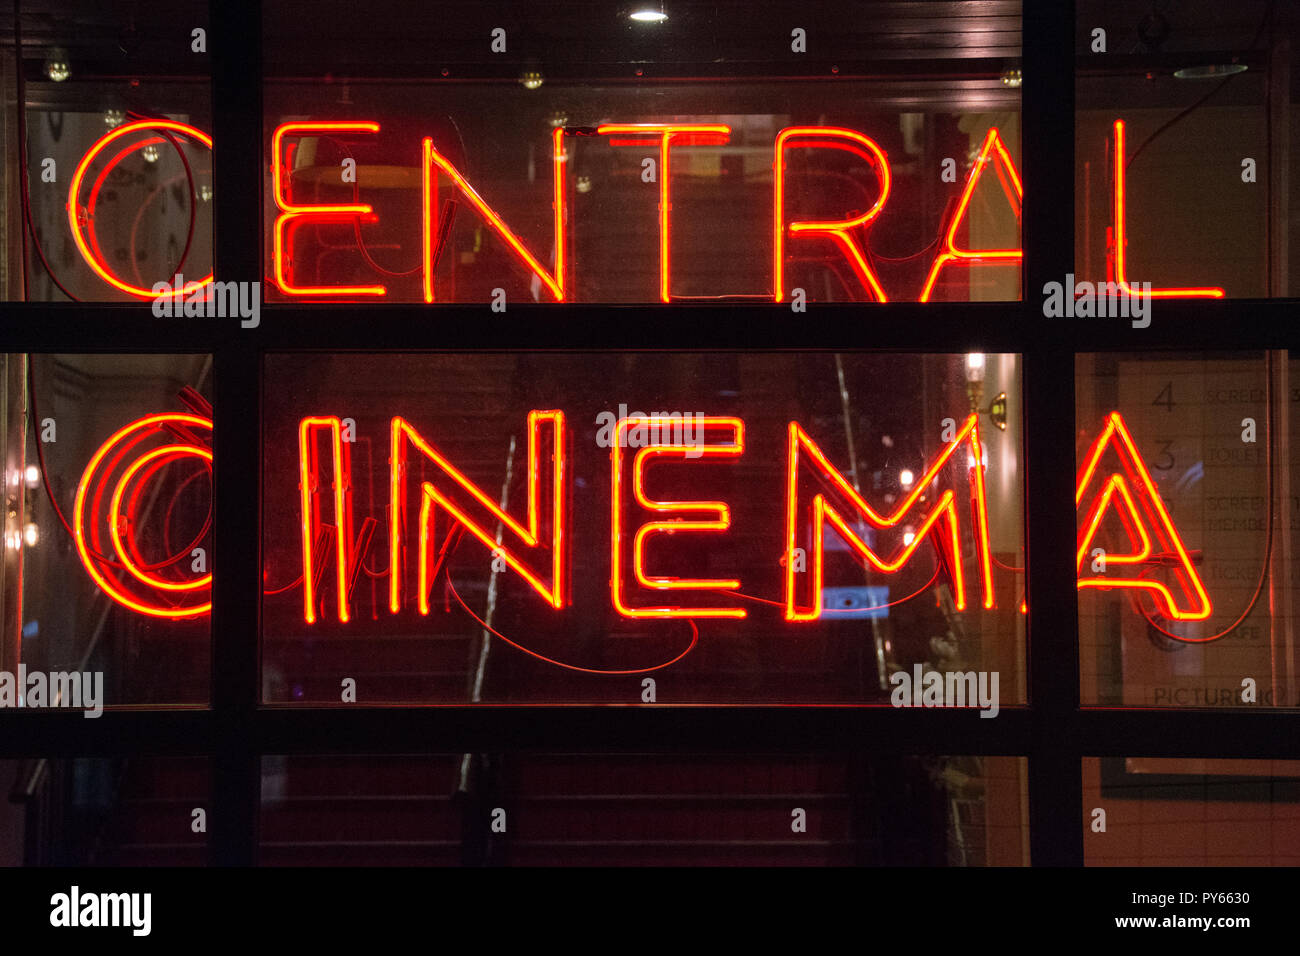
1264, 21
25, 198
695, 639
1264, 571
58, 511
288, 587
189, 177
849, 610
356, 220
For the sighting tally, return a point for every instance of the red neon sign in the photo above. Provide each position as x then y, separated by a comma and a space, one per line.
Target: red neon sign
429, 191
1120, 238
667, 135
458, 496
849, 234
294, 214
120, 571
948, 543
827, 137
995, 153
1143, 517
81, 219
309, 485
732, 447
123, 466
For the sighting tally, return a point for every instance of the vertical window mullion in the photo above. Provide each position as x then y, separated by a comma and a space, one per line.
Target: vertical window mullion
235, 47
1055, 764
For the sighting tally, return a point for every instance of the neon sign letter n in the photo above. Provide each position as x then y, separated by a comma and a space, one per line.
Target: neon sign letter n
433, 161
472, 508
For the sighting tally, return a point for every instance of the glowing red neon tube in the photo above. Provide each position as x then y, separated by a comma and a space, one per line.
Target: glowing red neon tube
1120, 238
732, 447
309, 485
668, 134
992, 151
85, 521
293, 214
800, 444
827, 137
81, 220
1144, 517
117, 520
429, 192
439, 492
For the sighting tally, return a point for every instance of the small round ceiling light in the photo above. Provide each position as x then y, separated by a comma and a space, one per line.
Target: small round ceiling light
57, 67
649, 13
1210, 71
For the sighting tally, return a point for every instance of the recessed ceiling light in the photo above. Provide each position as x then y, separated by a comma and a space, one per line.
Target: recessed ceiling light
1210, 71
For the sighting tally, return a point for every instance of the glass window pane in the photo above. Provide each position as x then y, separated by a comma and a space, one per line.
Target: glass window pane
107, 571
1183, 127
1185, 562
539, 183
656, 489
643, 810
1190, 812
127, 811
118, 123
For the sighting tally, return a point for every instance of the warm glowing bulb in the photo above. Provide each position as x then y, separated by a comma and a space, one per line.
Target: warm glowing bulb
31, 534
150, 154
649, 16
908, 538
57, 67
905, 478
32, 474
531, 79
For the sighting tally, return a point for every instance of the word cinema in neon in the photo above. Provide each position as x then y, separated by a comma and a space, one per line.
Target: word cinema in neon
943, 516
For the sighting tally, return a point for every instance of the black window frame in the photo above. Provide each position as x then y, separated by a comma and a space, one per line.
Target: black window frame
1053, 731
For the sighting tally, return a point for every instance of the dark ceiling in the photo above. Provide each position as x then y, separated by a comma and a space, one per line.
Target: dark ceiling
594, 39
392, 38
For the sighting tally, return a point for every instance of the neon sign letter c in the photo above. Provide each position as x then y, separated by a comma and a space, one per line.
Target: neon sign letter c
83, 229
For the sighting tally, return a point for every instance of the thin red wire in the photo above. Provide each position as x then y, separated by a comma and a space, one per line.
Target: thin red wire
695, 639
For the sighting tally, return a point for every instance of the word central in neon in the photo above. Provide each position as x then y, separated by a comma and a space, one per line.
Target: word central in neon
847, 236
